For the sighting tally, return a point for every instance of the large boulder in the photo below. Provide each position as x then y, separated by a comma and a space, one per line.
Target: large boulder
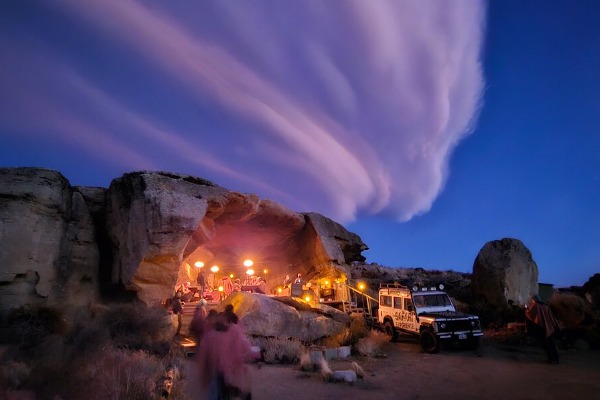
265, 316
48, 251
504, 271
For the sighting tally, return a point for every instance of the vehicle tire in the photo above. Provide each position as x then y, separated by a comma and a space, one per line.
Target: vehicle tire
429, 341
391, 331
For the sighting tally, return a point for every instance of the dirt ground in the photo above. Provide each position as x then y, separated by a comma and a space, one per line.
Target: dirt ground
498, 371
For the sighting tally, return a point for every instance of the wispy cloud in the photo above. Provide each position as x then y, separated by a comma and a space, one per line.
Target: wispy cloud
345, 108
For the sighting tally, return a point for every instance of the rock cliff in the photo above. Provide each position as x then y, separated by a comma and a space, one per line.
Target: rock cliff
145, 233
48, 249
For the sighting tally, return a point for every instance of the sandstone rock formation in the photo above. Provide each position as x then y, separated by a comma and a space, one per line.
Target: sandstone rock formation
48, 251
504, 271
162, 223
265, 316
145, 233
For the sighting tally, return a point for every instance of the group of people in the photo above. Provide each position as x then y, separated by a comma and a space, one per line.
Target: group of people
221, 353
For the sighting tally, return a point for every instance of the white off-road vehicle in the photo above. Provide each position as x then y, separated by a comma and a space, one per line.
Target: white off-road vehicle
428, 314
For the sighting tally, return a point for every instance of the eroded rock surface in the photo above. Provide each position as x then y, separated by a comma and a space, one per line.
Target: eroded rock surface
145, 232
48, 250
504, 271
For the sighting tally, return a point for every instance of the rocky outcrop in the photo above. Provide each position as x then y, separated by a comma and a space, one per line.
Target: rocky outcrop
48, 251
161, 224
145, 233
504, 271
265, 316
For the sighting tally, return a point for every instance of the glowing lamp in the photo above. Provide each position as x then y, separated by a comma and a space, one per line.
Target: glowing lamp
279, 290
265, 271
220, 288
250, 271
248, 263
231, 276
327, 282
361, 286
199, 264
307, 298
214, 268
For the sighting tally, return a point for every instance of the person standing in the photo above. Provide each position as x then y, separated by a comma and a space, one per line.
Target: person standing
542, 324
298, 278
177, 308
201, 281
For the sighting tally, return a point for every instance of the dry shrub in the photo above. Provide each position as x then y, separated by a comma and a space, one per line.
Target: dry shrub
311, 359
568, 308
13, 374
357, 330
371, 345
28, 326
116, 374
138, 327
279, 350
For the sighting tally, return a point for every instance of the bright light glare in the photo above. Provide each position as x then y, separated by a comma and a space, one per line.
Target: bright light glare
250, 271
199, 264
248, 263
214, 268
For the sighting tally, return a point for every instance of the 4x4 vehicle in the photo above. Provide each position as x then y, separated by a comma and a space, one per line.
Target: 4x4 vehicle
427, 313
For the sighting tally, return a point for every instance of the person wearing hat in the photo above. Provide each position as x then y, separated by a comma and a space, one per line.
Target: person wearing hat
542, 324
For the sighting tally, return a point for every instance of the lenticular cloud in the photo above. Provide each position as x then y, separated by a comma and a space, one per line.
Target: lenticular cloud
346, 108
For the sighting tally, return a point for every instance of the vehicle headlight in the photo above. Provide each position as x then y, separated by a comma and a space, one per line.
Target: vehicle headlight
442, 325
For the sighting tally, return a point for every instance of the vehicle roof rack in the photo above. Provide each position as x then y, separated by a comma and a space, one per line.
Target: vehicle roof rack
394, 285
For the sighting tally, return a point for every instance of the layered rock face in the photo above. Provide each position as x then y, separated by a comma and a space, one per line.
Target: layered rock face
146, 232
48, 251
504, 270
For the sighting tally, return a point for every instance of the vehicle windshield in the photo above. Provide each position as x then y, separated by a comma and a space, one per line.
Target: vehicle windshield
431, 300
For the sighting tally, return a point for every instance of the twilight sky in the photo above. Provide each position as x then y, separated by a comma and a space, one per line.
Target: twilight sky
426, 127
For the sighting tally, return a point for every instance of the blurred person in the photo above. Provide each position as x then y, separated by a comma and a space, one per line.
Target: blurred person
298, 278
542, 324
200, 323
229, 315
262, 286
201, 281
186, 292
227, 286
237, 286
221, 361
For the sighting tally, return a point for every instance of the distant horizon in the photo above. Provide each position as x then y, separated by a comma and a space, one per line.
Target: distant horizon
366, 262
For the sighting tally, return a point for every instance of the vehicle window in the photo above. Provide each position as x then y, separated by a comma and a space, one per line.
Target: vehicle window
386, 301
408, 304
398, 302
419, 301
432, 300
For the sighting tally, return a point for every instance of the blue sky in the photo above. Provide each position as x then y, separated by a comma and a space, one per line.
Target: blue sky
426, 127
